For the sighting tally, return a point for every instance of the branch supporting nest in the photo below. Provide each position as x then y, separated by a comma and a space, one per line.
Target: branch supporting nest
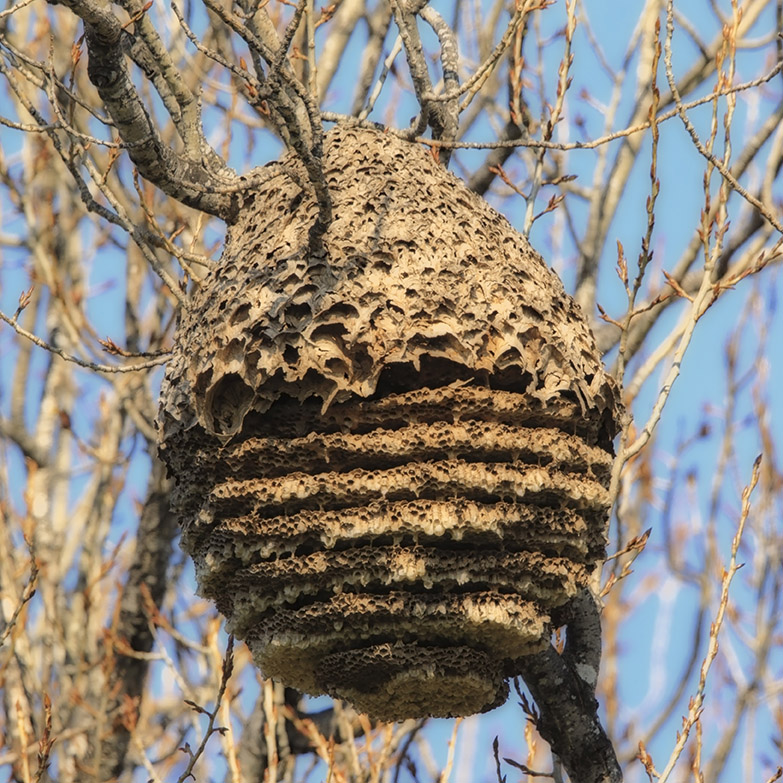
188, 179
563, 687
440, 115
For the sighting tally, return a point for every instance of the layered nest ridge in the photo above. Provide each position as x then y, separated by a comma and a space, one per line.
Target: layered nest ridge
392, 446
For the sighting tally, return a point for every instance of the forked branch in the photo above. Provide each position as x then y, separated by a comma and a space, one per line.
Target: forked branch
185, 178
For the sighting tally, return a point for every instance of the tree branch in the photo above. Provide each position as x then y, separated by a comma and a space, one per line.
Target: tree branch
431, 112
563, 687
186, 179
157, 529
449, 55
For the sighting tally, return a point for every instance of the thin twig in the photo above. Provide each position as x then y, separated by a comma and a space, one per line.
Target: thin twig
107, 368
27, 593
376, 90
228, 668
14, 8
680, 111
601, 140
697, 700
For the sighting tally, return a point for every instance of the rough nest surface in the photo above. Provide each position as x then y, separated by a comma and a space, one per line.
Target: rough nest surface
391, 452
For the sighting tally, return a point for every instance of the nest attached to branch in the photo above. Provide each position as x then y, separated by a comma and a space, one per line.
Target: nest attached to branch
392, 451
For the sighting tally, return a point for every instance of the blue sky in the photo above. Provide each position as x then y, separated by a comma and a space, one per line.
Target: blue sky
698, 396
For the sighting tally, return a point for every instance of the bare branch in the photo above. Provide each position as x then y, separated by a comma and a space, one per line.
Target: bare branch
697, 700
186, 179
157, 528
106, 368
720, 165
563, 686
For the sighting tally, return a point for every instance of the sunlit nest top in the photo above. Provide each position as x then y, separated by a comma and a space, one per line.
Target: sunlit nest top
392, 451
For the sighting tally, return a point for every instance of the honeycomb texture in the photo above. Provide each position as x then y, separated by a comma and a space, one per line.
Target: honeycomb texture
392, 447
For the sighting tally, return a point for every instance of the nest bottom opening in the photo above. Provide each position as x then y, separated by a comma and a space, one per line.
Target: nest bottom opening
392, 681
398, 655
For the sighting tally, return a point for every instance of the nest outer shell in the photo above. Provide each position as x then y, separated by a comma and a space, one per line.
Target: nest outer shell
392, 450
414, 267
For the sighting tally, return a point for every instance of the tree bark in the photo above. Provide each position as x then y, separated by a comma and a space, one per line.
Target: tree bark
157, 529
563, 687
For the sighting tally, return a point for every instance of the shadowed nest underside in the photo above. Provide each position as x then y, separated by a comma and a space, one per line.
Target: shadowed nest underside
391, 451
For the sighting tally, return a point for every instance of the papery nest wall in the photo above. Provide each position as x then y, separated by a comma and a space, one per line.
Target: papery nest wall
392, 452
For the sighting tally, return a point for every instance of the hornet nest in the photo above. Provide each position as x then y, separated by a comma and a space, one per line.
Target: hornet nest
392, 450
